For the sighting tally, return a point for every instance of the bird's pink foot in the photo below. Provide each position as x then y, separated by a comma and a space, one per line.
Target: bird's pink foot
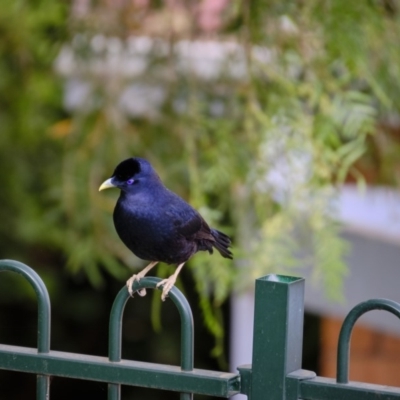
167, 285
131, 281
138, 277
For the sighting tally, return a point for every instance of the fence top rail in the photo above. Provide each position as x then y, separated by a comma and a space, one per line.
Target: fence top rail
125, 372
320, 388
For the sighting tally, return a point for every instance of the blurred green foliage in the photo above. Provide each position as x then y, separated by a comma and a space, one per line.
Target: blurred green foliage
30, 102
260, 154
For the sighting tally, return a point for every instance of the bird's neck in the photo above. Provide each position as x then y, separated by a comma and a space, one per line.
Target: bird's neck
142, 198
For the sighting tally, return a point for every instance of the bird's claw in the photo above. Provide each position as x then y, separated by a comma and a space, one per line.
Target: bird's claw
167, 286
129, 285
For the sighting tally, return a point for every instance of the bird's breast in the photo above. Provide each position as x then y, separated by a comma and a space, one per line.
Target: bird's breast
151, 236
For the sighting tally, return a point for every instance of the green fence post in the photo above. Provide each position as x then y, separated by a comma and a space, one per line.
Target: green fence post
278, 335
44, 315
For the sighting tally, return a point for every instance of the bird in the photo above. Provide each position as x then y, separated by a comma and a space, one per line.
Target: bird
156, 224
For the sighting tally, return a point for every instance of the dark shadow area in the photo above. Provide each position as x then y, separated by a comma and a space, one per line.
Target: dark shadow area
311, 342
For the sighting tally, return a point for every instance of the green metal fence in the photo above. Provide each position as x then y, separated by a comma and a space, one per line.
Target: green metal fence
275, 372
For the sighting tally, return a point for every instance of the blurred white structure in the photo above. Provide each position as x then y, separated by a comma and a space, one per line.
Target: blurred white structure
126, 63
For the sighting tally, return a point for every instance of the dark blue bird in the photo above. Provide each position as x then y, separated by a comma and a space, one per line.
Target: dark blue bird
156, 224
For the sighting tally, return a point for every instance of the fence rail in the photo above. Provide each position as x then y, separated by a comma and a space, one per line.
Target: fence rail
275, 372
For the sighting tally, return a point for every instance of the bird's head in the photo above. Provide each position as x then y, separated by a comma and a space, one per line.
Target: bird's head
130, 175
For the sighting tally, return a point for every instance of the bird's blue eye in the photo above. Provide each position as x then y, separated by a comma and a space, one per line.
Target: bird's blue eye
130, 181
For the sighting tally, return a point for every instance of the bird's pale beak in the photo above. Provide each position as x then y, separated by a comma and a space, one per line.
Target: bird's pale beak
106, 185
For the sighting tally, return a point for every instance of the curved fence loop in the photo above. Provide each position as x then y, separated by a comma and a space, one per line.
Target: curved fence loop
342, 375
44, 317
115, 327
44, 309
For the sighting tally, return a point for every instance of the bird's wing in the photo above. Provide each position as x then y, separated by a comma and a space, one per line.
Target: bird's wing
189, 223
196, 229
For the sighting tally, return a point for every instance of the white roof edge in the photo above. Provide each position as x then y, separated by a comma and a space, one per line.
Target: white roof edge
373, 212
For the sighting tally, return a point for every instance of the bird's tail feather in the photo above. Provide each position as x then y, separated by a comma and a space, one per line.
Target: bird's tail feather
222, 243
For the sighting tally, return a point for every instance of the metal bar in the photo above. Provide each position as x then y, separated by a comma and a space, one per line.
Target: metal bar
115, 338
114, 391
328, 389
342, 372
44, 317
245, 380
125, 372
115, 329
278, 333
187, 333
293, 381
